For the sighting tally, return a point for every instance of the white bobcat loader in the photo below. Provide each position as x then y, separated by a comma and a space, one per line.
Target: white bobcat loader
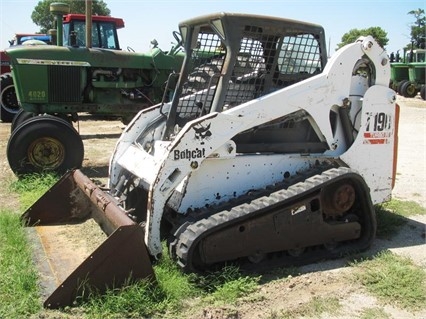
267, 153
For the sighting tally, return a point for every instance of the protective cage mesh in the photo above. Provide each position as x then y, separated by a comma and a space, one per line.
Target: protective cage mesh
265, 63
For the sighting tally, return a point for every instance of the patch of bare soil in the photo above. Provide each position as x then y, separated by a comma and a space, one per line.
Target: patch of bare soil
326, 280
8, 200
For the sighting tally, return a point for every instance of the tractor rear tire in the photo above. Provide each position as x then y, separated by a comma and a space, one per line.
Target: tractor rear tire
408, 89
9, 105
399, 87
44, 143
423, 92
20, 118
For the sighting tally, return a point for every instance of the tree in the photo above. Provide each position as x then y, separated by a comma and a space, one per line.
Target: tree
376, 32
42, 17
418, 30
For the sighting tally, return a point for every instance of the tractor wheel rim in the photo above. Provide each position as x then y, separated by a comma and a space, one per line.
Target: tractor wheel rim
411, 89
46, 153
9, 100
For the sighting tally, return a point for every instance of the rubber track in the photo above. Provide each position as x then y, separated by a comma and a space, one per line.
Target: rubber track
193, 233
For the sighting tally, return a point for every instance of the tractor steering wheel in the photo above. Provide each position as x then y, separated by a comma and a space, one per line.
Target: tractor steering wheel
178, 38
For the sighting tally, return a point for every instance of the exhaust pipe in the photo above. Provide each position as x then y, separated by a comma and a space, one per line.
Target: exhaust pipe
58, 10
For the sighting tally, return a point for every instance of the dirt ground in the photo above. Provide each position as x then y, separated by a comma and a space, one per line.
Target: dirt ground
328, 279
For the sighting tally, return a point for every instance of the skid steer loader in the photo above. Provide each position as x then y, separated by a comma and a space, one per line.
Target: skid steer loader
267, 153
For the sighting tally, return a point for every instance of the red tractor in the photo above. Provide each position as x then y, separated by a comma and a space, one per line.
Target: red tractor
104, 35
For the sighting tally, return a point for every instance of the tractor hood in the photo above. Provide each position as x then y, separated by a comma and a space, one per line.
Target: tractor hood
81, 56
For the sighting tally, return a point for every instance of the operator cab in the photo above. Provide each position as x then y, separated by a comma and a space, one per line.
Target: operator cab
104, 31
234, 58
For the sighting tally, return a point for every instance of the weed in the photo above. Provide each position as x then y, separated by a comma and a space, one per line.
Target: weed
140, 299
388, 223
32, 186
404, 208
230, 291
144, 298
171, 294
314, 308
226, 285
394, 280
18, 278
374, 313
392, 215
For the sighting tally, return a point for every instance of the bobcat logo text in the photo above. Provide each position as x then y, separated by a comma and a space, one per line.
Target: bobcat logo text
189, 154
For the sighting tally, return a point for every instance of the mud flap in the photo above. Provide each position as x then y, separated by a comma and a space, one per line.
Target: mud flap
122, 257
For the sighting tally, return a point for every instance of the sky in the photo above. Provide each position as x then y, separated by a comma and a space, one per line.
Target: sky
146, 20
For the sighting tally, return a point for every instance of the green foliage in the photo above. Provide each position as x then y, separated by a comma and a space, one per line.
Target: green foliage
388, 223
141, 299
394, 280
404, 208
42, 17
374, 313
376, 32
31, 187
172, 293
233, 286
418, 30
226, 285
18, 277
211, 281
174, 283
391, 216
314, 308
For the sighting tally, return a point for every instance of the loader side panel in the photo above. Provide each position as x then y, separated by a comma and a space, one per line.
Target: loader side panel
374, 151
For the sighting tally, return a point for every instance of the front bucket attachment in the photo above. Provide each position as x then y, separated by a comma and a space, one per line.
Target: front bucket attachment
122, 257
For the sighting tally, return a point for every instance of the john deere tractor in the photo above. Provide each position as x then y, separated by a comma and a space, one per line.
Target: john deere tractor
104, 34
55, 83
408, 74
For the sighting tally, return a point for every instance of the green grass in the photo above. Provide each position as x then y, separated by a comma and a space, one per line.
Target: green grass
18, 278
316, 307
374, 313
142, 299
392, 215
32, 187
404, 208
175, 295
228, 285
394, 280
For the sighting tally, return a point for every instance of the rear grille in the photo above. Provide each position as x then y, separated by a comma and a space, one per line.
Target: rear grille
64, 84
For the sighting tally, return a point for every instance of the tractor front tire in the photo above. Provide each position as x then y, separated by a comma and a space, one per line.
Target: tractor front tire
44, 143
399, 87
9, 105
423, 92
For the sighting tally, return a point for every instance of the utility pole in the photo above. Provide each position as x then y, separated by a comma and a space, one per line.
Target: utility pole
88, 23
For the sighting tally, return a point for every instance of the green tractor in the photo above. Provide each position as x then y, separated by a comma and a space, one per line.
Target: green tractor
55, 83
408, 74
104, 34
